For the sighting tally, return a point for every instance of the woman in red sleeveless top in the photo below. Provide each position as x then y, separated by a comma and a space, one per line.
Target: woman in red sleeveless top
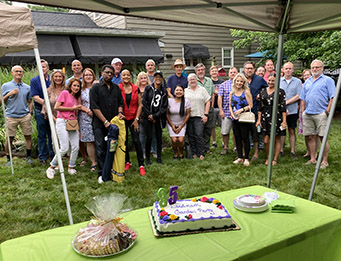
132, 111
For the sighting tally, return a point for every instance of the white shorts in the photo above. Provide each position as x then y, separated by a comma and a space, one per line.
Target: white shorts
226, 125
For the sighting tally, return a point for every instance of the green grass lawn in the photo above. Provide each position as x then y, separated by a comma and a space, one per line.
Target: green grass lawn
30, 202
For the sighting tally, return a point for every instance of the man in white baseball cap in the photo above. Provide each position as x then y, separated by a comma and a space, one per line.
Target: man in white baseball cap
117, 64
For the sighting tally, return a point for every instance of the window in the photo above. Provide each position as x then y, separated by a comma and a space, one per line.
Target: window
192, 62
96, 16
227, 58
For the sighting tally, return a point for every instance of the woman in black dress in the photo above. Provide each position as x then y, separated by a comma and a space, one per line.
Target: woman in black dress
265, 116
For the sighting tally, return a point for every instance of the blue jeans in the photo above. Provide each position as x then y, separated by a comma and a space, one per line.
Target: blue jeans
44, 132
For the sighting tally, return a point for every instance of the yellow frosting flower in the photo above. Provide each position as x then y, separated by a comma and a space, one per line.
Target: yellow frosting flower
172, 217
194, 200
162, 209
215, 201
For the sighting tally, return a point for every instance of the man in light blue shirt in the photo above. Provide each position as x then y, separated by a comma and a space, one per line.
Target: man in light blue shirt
317, 97
18, 100
77, 68
292, 87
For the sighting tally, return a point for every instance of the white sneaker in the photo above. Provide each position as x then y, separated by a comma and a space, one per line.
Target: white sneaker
50, 173
100, 180
71, 171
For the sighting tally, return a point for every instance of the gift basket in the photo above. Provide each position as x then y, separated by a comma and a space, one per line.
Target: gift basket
105, 235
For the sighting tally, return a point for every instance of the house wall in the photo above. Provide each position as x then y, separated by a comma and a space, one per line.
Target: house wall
178, 34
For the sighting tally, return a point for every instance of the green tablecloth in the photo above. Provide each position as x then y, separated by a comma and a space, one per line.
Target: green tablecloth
313, 232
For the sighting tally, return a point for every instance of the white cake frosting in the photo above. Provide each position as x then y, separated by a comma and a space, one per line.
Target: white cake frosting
191, 215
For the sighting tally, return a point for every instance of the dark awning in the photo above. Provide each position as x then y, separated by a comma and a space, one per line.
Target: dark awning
196, 51
102, 49
56, 49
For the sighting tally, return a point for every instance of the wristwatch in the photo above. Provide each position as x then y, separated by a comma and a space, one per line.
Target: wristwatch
137, 118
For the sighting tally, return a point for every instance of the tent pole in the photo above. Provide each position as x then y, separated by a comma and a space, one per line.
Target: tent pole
275, 106
6, 129
53, 133
325, 137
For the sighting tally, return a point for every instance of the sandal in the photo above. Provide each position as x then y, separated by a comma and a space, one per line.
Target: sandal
175, 157
83, 162
93, 168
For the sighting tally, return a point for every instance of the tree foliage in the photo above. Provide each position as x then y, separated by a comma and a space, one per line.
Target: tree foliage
48, 8
305, 47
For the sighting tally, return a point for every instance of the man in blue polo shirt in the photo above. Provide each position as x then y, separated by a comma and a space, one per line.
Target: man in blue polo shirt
177, 78
18, 100
256, 83
316, 100
43, 126
292, 87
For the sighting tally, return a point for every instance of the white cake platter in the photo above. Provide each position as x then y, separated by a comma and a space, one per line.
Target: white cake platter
251, 200
246, 208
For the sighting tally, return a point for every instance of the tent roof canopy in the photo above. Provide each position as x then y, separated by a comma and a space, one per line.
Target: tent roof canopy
258, 15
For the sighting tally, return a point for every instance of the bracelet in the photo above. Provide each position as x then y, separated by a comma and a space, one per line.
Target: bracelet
206, 114
105, 122
121, 112
243, 109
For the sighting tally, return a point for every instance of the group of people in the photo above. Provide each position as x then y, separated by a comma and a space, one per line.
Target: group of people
305, 104
191, 107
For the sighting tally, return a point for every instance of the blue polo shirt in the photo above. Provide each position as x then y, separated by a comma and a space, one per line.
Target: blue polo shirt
256, 85
115, 79
67, 80
317, 94
174, 81
291, 89
16, 105
36, 89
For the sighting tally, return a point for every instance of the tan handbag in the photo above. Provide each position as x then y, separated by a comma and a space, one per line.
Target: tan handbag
72, 125
247, 116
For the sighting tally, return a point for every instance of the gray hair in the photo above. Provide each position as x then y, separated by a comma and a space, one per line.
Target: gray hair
150, 61
316, 60
16, 66
191, 75
44, 61
199, 65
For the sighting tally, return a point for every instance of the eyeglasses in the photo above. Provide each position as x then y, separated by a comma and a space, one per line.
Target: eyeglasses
316, 67
108, 72
18, 71
249, 68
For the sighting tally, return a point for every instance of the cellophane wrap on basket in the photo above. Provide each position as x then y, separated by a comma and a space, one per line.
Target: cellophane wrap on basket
105, 235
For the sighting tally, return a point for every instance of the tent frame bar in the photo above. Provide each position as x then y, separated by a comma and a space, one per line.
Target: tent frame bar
6, 129
325, 137
53, 133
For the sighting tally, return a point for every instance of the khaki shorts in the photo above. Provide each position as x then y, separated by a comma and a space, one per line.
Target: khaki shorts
314, 124
226, 125
25, 124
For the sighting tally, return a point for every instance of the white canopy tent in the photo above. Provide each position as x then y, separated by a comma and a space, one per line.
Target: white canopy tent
18, 34
281, 16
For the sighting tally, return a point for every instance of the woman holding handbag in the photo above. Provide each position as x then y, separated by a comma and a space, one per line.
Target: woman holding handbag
67, 106
240, 102
265, 117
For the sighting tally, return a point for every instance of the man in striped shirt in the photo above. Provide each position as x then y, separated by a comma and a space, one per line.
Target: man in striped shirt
223, 105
